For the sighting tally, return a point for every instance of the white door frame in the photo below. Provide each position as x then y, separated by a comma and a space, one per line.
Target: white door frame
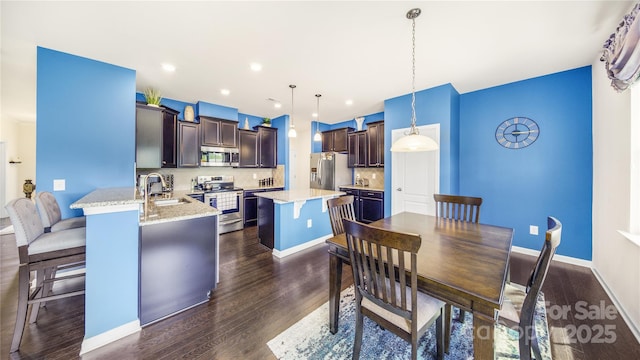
432, 131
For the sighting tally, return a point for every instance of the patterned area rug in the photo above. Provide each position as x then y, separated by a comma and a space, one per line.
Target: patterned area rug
310, 338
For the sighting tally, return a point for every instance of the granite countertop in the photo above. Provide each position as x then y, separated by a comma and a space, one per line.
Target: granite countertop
361, 187
187, 208
261, 187
286, 196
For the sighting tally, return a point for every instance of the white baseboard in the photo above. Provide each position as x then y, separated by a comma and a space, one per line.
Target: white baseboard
621, 310
556, 257
282, 253
94, 342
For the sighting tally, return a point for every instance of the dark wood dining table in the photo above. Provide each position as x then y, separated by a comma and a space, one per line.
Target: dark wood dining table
461, 263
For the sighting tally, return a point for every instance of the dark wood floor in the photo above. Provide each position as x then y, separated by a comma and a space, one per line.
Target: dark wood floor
259, 296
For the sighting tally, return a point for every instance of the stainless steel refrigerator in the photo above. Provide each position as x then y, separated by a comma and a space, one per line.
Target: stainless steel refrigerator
329, 170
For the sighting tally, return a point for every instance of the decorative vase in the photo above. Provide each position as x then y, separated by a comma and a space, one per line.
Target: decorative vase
188, 113
266, 124
246, 123
154, 105
27, 188
359, 121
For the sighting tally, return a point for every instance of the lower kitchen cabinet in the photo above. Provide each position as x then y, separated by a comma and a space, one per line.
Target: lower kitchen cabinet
368, 205
251, 205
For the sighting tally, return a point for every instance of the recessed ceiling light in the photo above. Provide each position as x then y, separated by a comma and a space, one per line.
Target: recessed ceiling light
168, 67
315, 115
277, 105
349, 102
225, 92
256, 66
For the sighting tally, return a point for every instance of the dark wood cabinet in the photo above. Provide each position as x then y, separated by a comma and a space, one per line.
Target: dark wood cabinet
156, 129
368, 205
248, 147
218, 132
336, 140
251, 206
267, 147
357, 145
375, 144
188, 144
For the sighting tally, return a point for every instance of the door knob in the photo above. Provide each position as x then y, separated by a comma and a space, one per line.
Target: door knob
399, 189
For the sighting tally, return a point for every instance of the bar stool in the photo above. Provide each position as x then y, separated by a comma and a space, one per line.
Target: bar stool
43, 253
51, 216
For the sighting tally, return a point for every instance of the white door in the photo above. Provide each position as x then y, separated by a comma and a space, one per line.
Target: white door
415, 176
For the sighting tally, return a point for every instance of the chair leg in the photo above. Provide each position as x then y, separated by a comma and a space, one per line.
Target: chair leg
414, 346
41, 275
21, 315
442, 336
461, 316
358, 341
535, 347
525, 343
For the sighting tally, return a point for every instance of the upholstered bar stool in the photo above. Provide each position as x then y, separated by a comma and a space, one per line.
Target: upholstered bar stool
51, 216
41, 252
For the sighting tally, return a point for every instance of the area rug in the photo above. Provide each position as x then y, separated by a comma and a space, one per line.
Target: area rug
310, 338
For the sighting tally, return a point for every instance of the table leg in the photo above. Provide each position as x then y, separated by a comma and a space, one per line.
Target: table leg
335, 283
483, 337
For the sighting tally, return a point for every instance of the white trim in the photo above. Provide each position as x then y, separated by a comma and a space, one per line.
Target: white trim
621, 310
292, 250
634, 238
94, 342
556, 257
110, 209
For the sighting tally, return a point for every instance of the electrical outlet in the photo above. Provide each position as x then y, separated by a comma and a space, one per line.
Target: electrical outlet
309, 223
255, 176
373, 176
533, 230
59, 185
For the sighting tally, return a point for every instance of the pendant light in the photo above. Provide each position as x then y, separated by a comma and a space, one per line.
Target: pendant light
318, 136
413, 141
292, 128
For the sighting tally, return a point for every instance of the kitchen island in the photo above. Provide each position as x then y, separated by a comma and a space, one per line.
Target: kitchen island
144, 266
293, 220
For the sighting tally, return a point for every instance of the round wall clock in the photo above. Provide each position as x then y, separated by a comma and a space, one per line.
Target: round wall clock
517, 132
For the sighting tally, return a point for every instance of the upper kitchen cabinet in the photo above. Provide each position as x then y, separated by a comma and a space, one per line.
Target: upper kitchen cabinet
267, 147
248, 147
188, 144
218, 132
357, 149
336, 140
156, 137
375, 147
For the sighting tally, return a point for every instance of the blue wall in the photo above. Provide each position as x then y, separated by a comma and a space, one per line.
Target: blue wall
553, 176
433, 106
85, 130
290, 232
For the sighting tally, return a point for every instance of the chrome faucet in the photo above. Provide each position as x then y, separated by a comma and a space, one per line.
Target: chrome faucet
146, 190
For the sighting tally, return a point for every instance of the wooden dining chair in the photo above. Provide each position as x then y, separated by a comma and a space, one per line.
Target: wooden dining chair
385, 292
463, 208
51, 215
40, 252
340, 208
519, 303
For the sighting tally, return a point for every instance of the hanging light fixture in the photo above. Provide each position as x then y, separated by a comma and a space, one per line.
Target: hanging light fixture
413, 141
318, 136
292, 128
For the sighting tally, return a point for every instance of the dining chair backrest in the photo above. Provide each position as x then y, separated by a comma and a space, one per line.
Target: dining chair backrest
380, 272
48, 208
340, 208
25, 220
465, 208
552, 239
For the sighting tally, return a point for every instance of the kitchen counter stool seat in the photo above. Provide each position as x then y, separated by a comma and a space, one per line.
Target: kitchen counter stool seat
44, 254
51, 215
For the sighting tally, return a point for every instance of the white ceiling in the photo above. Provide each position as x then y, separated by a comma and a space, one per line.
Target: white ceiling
358, 50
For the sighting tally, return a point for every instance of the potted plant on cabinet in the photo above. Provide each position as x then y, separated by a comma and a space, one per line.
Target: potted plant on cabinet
153, 97
266, 122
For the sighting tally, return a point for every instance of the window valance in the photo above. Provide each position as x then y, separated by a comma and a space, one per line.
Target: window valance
622, 52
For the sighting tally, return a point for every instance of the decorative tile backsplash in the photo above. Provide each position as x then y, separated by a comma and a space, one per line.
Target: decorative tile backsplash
243, 178
370, 173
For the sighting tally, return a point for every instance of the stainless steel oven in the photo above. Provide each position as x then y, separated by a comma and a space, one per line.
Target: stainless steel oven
230, 203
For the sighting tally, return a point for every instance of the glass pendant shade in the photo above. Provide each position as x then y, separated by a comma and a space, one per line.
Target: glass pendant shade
317, 136
413, 141
292, 131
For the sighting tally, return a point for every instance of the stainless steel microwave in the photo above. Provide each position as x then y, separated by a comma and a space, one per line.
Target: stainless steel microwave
219, 156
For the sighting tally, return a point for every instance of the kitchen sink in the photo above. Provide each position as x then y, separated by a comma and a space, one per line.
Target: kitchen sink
169, 202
